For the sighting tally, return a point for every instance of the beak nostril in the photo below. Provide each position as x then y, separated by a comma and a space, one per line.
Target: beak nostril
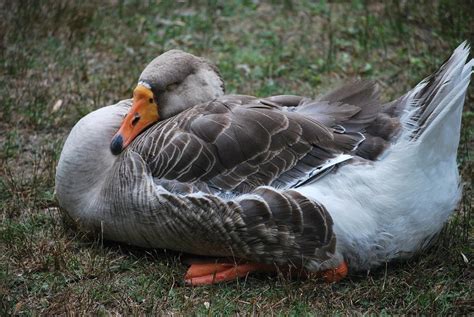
135, 119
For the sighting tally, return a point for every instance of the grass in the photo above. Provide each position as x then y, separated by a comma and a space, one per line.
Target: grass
63, 59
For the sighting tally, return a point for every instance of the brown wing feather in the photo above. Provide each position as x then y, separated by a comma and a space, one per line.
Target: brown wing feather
237, 143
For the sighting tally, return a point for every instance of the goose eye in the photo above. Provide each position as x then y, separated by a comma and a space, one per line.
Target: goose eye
150, 100
135, 119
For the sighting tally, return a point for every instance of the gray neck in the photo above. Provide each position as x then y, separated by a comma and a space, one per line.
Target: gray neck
86, 159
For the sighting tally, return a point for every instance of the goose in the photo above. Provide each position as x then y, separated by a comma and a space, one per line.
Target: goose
338, 183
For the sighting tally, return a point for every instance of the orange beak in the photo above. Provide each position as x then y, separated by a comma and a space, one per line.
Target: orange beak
144, 112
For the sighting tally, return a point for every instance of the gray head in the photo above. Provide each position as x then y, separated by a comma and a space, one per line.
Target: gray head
171, 83
181, 80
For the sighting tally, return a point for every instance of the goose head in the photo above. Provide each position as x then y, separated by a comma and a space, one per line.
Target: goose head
171, 83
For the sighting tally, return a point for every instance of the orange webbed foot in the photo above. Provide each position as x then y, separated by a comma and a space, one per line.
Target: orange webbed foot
211, 273
336, 274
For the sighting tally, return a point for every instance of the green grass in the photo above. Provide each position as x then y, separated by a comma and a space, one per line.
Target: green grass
86, 56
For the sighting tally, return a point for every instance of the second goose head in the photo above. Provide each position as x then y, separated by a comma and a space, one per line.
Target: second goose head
171, 83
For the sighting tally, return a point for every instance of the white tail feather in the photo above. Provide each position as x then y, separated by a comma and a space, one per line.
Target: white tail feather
431, 100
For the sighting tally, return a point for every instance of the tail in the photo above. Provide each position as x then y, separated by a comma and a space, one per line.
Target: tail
415, 181
433, 109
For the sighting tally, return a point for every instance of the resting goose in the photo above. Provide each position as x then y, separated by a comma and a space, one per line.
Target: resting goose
284, 181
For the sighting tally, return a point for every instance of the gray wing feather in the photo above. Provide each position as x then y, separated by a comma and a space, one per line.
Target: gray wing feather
204, 172
237, 143
266, 225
